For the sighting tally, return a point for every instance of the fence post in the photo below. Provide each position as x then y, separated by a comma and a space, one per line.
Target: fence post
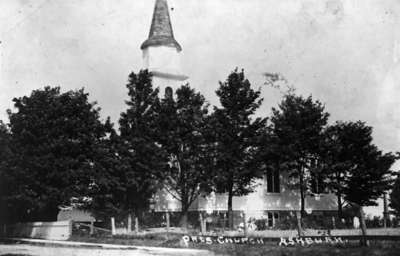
136, 224
167, 219
201, 222
91, 228
245, 224
224, 225
129, 223
112, 226
70, 223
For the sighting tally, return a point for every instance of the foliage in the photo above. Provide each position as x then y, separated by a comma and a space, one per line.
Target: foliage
183, 126
238, 136
8, 182
357, 169
370, 178
56, 148
137, 160
297, 128
106, 187
395, 197
343, 149
53, 143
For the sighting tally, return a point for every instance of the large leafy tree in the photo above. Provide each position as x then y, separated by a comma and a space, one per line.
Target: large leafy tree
297, 127
54, 140
184, 128
9, 184
141, 161
369, 180
106, 189
356, 169
395, 197
343, 148
237, 135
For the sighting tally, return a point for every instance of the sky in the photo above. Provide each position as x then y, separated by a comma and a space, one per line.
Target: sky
343, 53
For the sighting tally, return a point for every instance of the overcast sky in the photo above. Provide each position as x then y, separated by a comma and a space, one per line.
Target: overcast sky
341, 52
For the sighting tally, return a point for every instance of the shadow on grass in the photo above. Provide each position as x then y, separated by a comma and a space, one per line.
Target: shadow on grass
377, 248
386, 249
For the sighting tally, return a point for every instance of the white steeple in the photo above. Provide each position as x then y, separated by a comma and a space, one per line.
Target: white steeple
161, 52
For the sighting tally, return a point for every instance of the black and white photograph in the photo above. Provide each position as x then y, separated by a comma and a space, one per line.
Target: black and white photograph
199, 127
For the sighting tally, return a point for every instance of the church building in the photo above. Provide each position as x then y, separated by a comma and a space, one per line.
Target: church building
274, 197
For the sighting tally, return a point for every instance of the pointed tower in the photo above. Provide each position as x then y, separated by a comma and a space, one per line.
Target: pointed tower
161, 52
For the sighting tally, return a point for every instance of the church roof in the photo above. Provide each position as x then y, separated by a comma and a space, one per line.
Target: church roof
161, 33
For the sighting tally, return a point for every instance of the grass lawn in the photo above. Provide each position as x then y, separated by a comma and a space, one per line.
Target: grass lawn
274, 250
378, 248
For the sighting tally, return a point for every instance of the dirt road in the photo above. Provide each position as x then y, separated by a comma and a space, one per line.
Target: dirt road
37, 250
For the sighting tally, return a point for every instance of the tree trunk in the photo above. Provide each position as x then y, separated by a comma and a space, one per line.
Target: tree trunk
129, 223
183, 222
385, 211
113, 226
167, 221
299, 227
340, 205
230, 210
245, 224
136, 224
202, 223
363, 226
302, 211
91, 228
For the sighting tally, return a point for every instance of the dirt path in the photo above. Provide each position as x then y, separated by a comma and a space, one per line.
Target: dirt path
35, 250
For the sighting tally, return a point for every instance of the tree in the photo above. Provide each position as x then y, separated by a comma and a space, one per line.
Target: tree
356, 169
141, 159
370, 178
106, 189
54, 140
297, 127
395, 197
237, 136
8, 184
368, 181
343, 148
184, 128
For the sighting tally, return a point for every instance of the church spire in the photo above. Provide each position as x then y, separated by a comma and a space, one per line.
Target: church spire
161, 33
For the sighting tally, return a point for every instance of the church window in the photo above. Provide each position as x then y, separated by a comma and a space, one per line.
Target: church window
271, 219
273, 181
318, 184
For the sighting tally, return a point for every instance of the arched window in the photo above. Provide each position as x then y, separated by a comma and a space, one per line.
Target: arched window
273, 181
